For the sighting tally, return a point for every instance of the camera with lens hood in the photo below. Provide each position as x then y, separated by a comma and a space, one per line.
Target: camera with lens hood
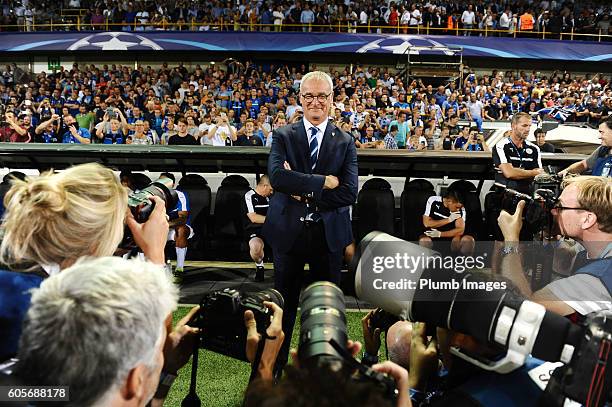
500, 318
141, 206
323, 337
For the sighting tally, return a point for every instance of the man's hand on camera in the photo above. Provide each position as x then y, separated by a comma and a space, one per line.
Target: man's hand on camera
179, 343
152, 235
331, 182
400, 375
511, 225
371, 338
423, 357
272, 344
563, 173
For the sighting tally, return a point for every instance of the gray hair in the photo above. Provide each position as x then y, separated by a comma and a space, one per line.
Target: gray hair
89, 325
318, 76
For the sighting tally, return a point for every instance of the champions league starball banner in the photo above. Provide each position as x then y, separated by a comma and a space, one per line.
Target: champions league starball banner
307, 42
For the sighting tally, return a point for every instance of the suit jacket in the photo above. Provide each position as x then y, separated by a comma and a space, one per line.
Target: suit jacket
337, 156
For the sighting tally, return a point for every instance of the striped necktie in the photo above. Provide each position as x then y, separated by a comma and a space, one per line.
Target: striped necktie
314, 147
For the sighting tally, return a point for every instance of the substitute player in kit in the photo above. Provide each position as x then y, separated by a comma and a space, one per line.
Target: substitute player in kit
256, 208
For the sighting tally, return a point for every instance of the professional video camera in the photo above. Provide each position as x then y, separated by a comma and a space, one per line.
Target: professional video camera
477, 305
323, 337
538, 223
221, 319
537, 212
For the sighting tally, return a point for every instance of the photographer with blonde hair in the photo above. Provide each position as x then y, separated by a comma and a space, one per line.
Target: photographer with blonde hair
53, 220
584, 213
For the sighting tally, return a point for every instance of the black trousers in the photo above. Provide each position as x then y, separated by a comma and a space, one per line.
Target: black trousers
310, 247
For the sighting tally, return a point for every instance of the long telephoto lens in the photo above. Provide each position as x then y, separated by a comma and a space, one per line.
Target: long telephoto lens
322, 319
485, 307
142, 207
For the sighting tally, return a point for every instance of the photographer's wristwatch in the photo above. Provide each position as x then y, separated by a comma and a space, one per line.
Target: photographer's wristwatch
509, 250
165, 381
368, 359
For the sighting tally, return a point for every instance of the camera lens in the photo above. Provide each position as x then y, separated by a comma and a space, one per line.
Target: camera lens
322, 319
140, 204
270, 295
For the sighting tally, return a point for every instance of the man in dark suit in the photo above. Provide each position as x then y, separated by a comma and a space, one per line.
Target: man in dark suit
313, 170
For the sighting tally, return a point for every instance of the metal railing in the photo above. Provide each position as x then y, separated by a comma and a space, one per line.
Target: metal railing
74, 20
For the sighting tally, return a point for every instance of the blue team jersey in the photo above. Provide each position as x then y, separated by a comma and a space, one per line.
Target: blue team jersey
68, 138
49, 137
255, 104
474, 147
113, 138
73, 110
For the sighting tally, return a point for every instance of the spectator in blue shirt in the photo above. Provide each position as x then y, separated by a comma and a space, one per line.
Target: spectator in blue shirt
75, 135
440, 96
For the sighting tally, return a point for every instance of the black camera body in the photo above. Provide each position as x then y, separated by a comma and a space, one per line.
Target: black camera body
538, 206
221, 319
382, 320
594, 351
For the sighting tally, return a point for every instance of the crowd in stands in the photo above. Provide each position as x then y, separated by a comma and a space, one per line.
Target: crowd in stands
442, 17
241, 104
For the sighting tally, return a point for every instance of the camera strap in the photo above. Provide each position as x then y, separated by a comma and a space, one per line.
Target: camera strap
603, 151
260, 347
347, 357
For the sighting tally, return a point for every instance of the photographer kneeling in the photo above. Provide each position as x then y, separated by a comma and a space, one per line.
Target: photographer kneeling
583, 213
